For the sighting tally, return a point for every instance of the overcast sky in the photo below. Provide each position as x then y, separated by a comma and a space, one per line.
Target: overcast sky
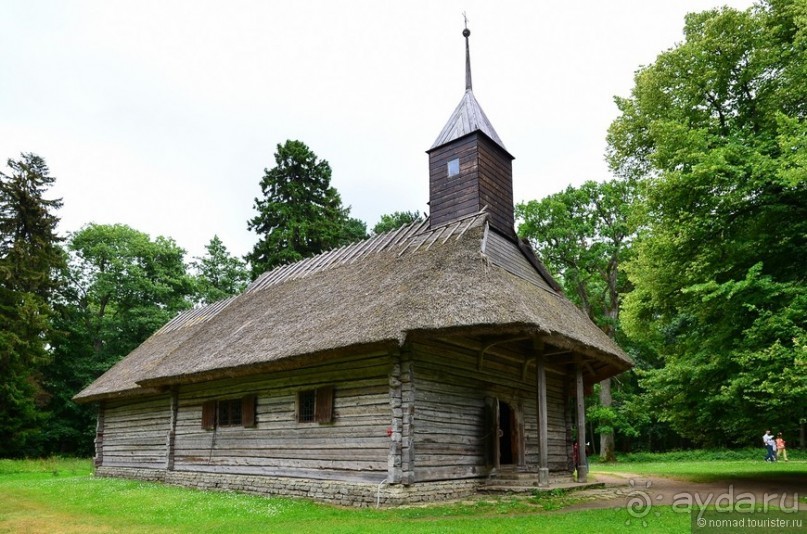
163, 114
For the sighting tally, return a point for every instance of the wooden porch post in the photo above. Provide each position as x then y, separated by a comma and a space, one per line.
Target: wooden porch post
540, 405
582, 470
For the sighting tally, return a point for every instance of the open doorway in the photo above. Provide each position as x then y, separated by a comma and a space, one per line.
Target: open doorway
507, 438
505, 429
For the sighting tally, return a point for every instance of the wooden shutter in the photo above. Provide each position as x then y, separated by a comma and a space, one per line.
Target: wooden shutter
324, 409
248, 410
209, 415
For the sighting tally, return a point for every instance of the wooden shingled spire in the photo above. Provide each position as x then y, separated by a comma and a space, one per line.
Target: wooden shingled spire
469, 167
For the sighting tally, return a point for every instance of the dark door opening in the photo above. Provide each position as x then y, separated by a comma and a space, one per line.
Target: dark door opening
506, 426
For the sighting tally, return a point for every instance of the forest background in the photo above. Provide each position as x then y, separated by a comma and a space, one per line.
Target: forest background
691, 256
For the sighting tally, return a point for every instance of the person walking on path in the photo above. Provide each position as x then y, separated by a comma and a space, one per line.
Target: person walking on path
781, 451
770, 444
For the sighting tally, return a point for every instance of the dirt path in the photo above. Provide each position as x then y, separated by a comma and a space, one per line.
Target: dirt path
624, 490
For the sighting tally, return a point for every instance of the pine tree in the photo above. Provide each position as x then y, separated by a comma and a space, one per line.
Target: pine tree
30, 257
219, 275
300, 214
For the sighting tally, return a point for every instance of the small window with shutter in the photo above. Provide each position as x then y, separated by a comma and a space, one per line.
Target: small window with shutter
229, 413
306, 406
315, 405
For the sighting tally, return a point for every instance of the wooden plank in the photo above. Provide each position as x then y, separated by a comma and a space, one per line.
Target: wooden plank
433, 474
286, 463
508, 256
374, 477
378, 441
137, 432
581, 425
541, 402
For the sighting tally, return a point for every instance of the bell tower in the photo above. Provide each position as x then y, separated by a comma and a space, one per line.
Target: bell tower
469, 168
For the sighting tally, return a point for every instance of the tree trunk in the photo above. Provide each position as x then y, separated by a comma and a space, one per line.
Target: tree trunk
606, 439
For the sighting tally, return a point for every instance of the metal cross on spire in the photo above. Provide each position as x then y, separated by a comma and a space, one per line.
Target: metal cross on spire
466, 32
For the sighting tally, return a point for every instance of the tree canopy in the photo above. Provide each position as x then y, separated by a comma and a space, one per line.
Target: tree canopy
393, 221
583, 234
120, 286
716, 130
300, 213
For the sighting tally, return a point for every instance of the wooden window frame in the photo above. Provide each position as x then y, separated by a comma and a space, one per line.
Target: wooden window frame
307, 406
246, 413
323, 405
228, 412
450, 166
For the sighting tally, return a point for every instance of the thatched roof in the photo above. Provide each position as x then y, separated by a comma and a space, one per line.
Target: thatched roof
415, 280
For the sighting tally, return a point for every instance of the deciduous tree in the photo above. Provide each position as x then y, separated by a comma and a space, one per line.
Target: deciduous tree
393, 221
120, 286
716, 127
583, 234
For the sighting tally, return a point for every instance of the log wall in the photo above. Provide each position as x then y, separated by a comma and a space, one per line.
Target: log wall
134, 432
451, 436
418, 415
354, 447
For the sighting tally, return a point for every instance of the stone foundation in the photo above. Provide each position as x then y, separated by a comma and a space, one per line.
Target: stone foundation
136, 473
330, 491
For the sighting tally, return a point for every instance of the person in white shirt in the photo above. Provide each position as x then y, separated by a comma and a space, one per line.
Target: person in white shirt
770, 444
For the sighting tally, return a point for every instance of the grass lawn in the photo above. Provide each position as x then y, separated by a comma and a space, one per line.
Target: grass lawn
56, 496
711, 471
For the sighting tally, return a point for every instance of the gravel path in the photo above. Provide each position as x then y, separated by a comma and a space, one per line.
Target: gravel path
626, 490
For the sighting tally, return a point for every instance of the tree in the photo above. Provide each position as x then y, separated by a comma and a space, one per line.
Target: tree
716, 129
354, 230
300, 214
120, 286
218, 274
29, 258
395, 220
583, 234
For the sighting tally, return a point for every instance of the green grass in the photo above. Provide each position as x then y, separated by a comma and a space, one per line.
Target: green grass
61, 496
710, 471
54, 466
704, 455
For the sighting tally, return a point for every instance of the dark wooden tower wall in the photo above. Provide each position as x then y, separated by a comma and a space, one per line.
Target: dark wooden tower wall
496, 185
485, 178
